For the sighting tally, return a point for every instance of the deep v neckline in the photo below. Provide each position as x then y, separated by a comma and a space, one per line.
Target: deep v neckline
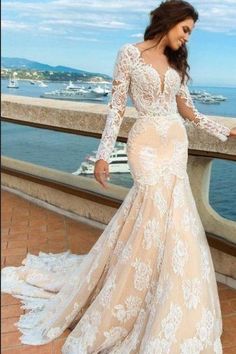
162, 81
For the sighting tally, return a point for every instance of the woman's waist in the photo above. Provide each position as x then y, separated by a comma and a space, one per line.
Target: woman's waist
159, 115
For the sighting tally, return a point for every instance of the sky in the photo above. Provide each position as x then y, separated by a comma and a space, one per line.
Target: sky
86, 34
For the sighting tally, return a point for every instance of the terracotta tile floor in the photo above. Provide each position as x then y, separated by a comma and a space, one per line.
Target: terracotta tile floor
27, 227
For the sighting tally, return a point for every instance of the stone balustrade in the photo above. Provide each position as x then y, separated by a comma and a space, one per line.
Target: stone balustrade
89, 119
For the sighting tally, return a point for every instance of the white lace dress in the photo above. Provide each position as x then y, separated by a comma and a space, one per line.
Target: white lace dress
148, 285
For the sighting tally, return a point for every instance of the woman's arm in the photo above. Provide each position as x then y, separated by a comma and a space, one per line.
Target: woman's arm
117, 104
188, 111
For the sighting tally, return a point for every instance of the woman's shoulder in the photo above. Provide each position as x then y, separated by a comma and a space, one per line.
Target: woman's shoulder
129, 47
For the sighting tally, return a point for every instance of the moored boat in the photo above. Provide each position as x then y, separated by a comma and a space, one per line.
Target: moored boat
13, 83
118, 161
206, 97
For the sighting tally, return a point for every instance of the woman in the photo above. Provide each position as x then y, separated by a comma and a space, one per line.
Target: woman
148, 284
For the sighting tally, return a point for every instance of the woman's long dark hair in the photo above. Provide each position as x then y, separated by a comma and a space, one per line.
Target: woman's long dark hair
163, 19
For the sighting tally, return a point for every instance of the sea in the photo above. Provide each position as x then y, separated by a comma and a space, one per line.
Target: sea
65, 152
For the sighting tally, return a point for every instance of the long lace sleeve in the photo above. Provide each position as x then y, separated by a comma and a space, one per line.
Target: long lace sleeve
188, 111
117, 104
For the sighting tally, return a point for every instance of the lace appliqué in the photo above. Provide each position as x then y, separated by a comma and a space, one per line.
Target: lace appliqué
180, 257
116, 107
191, 291
133, 77
88, 326
169, 325
131, 308
204, 336
142, 274
185, 102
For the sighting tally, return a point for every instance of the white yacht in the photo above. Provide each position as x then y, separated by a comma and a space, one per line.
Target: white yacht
73, 87
72, 95
219, 98
209, 100
76, 93
13, 83
42, 84
100, 90
206, 97
118, 162
97, 90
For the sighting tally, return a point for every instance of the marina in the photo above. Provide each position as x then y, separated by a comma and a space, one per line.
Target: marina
89, 90
95, 91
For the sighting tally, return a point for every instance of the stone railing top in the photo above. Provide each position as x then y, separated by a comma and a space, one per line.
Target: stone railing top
78, 106
90, 118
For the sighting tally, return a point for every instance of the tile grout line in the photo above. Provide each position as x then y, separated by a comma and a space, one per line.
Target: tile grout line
55, 209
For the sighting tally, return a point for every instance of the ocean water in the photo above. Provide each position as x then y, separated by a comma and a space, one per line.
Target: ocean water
226, 108
65, 152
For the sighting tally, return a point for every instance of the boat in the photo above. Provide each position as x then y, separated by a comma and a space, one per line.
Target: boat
42, 84
209, 100
13, 83
76, 93
99, 90
219, 98
73, 87
70, 95
118, 161
206, 97
195, 93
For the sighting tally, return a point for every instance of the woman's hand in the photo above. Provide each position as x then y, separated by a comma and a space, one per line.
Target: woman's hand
101, 172
233, 132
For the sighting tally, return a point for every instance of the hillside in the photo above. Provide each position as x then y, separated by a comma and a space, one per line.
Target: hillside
28, 69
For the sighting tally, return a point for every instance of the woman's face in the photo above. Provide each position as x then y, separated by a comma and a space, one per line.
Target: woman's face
180, 33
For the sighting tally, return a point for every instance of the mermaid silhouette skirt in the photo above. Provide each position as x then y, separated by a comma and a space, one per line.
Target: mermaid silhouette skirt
148, 285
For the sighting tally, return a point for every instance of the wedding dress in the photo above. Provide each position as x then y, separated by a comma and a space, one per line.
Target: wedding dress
148, 285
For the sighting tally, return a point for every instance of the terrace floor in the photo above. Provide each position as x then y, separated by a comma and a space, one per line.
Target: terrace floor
27, 227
